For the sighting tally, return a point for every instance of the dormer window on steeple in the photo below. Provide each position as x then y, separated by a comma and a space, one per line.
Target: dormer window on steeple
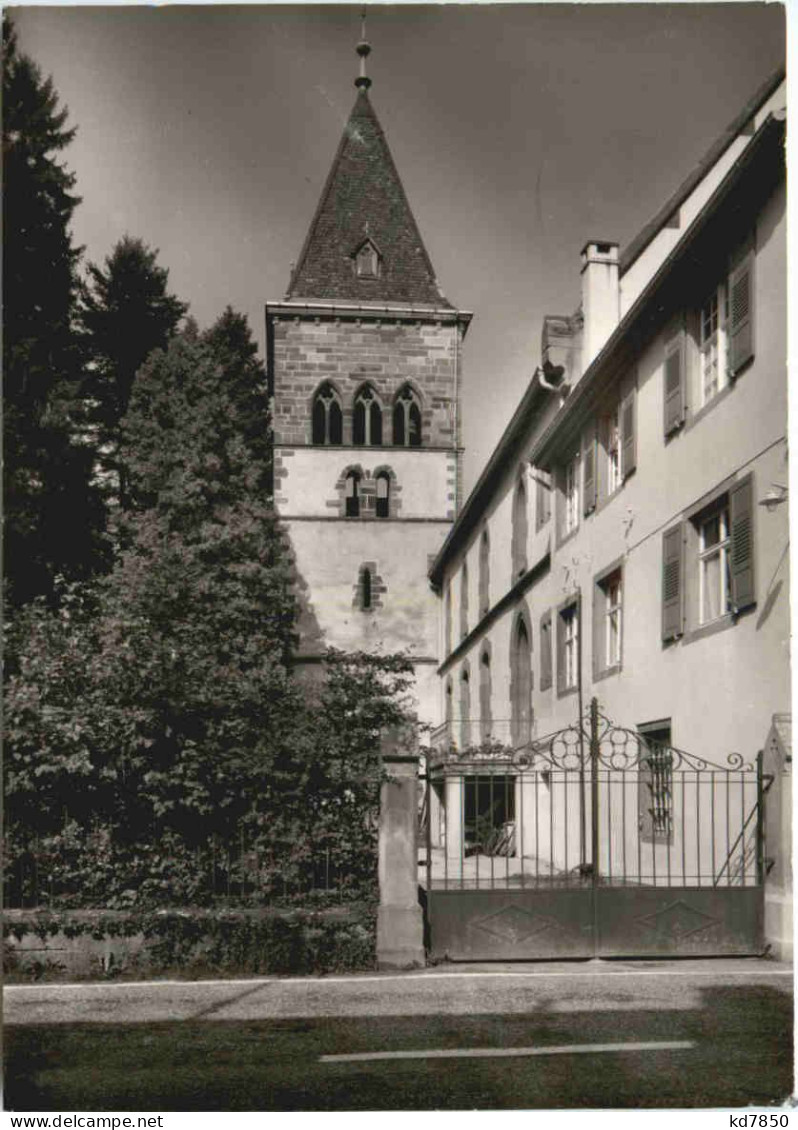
367, 261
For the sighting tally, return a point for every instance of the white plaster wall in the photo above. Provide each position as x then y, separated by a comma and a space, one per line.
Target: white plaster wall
328, 558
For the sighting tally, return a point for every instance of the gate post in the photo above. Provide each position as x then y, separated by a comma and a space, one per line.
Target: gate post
400, 924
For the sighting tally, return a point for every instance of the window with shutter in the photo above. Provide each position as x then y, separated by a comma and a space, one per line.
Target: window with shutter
741, 323
741, 508
568, 648
628, 433
589, 481
465, 707
672, 583
674, 379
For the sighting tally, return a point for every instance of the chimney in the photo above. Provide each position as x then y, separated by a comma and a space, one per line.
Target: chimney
600, 296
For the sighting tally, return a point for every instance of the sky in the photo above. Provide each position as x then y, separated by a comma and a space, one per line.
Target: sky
520, 131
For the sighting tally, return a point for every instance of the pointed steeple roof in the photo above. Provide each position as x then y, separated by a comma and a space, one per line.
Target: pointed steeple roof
363, 202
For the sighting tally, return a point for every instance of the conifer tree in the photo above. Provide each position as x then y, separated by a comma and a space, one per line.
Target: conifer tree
126, 313
53, 513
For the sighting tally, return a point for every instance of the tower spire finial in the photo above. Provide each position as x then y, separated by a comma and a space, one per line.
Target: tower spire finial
363, 49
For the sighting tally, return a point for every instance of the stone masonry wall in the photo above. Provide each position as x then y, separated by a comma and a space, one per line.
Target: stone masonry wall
347, 352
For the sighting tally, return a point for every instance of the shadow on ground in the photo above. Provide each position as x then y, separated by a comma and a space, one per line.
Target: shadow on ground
742, 1055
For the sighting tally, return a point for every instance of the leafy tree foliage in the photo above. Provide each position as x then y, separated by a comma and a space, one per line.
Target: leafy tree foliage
154, 726
126, 313
53, 514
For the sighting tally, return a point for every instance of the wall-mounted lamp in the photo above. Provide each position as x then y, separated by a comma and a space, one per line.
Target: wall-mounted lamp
777, 494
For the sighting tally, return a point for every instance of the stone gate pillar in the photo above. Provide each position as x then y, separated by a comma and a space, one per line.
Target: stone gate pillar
400, 925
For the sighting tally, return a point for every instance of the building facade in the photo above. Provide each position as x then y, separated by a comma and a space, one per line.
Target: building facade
628, 538
364, 359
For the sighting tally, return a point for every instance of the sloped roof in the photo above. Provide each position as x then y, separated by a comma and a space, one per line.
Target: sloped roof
363, 197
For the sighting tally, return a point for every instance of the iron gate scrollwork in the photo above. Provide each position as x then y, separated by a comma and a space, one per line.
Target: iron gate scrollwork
594, 840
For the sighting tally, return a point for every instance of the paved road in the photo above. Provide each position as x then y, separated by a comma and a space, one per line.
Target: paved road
612, 1034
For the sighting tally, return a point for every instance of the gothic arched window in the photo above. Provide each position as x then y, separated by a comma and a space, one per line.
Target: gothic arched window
484, 573
448, 618
383, 494
328, 421
465, 708
406, 419
521, 684
365, 588
485, 719
367, 424
352, 495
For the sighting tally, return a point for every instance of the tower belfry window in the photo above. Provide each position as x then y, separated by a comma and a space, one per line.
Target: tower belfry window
383, 495
327, 416
367, 423
352, 495
406, 419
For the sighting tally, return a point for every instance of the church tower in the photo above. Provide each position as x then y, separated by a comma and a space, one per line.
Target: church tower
364, 359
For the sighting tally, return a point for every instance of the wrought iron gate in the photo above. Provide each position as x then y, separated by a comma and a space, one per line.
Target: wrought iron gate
594, 841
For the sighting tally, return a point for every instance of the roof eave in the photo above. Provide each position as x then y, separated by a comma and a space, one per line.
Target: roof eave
472, 508
612, 356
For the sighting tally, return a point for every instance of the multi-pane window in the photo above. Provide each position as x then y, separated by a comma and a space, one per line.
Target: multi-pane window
655, 795
612, 620
406, 419
367, 422
569, 619
713, 318
571, 495
383, 495
714, 565
327, 418
352, 495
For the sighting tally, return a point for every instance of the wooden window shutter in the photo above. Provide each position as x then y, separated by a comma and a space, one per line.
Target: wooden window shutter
629, 432
675, 380
672, 582
599, 600
589, 481
741, 314
741, 516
